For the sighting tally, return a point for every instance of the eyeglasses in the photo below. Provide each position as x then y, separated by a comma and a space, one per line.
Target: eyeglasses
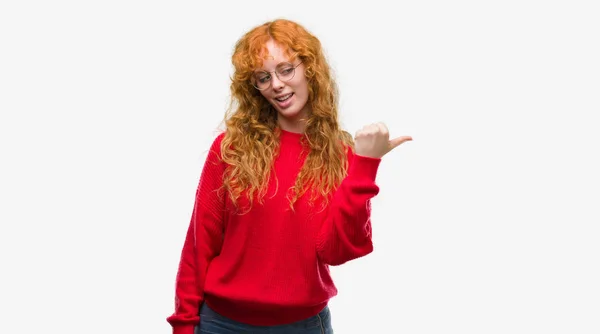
285, 71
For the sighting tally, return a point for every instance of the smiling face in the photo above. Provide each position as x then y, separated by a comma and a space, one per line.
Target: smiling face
289, 98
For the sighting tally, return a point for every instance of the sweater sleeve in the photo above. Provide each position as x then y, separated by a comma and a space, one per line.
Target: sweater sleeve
202, 243
346, 231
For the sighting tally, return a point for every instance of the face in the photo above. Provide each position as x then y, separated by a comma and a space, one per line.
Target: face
290, 97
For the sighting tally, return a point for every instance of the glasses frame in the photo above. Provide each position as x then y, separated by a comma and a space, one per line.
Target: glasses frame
252, 81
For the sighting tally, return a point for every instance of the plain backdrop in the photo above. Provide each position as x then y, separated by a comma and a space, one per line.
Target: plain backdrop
487, 222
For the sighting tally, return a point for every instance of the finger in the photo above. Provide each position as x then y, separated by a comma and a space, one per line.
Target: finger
362, 130
382, 128
370, 129
399, 140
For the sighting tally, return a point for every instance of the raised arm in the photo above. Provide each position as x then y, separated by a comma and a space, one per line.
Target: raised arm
346, 231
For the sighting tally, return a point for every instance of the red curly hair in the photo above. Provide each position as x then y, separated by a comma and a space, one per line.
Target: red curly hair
251, 141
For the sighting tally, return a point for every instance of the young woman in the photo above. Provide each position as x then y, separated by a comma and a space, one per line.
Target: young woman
284, 194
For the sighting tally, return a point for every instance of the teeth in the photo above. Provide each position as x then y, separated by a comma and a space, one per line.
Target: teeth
283, 98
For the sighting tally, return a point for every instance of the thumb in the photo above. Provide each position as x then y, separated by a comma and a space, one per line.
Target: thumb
399, 140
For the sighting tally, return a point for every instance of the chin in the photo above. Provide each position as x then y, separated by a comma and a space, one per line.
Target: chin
287, 113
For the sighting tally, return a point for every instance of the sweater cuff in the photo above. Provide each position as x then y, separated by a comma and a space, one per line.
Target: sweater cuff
364, 167
184, 329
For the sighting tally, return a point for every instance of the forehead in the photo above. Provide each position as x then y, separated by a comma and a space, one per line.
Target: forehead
273, 54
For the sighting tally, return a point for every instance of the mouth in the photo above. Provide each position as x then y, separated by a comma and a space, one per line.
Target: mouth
284, 98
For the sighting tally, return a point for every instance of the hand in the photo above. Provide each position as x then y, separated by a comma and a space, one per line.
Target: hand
374, 141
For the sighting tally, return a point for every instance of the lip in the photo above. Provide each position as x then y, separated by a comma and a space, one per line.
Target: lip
285, 104
282, 95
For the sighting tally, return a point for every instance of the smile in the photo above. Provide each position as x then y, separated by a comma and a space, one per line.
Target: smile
284, 98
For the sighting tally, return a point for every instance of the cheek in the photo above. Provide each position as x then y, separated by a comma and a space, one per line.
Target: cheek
264, 94
305, 93
302, 86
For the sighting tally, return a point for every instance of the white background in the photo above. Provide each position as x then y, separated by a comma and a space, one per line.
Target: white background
486, 223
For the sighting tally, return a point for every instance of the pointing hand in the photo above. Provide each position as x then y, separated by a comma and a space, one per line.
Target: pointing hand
374, 141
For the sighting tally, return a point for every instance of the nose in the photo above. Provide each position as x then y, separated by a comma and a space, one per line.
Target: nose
276, 83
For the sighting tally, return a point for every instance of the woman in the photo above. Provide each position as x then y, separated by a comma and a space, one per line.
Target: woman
284, 194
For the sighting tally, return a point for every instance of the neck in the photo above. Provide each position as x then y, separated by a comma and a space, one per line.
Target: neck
296, 124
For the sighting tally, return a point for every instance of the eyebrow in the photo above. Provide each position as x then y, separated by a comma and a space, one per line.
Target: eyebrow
276, 67
291, 57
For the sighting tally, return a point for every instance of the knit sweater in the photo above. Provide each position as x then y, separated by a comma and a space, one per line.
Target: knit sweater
270, 266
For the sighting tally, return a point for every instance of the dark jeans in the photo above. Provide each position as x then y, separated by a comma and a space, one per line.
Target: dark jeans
213, 323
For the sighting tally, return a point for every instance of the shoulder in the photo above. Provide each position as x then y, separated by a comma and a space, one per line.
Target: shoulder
217, 140
214, 152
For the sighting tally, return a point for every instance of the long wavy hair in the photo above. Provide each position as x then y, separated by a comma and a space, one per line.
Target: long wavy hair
251, 141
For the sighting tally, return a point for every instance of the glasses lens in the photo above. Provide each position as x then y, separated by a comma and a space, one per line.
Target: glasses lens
261, 80
285, 71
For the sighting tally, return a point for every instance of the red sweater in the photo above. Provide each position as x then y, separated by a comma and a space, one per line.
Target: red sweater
270, 266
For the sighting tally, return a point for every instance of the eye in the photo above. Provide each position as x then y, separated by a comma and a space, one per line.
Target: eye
264, 78
286, 70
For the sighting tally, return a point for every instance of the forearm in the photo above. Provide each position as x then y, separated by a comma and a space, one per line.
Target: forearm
345, 233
